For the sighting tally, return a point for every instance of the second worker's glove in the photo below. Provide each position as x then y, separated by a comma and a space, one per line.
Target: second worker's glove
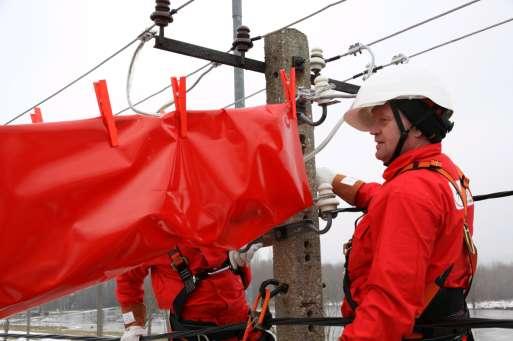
243, 258
133, 333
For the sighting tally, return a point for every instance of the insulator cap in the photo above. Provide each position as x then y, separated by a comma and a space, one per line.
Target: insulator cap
327, 200
242, 42
162, 15
317, 62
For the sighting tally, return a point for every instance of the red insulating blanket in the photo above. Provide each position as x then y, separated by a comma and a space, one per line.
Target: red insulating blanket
75, 211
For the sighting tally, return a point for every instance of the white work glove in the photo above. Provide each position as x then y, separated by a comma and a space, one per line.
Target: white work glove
238, 258
324, 175
133, 333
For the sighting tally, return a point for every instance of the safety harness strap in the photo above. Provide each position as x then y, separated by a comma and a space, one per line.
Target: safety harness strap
461, 185
402, 130
180, 264
433, 288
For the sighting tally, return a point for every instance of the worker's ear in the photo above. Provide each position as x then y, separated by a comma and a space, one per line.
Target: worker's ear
415, 132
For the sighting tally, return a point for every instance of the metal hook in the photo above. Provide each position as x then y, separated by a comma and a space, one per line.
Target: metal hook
305, 119
329, 220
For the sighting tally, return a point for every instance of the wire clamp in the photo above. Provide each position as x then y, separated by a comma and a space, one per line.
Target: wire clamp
355, 48
147, 36
400, 59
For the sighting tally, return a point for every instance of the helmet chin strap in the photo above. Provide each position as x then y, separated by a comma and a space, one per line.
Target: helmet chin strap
402, 138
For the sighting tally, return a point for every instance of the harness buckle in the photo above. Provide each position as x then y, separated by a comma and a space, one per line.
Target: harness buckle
347, 247
178, 261
468, 239
435, 164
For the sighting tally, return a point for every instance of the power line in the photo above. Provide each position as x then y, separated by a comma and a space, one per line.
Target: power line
423, 22
408, 28
164, 88
435, 47
182, 6
79, 77
253, 39
196, 82
462, 37
244, 98
212, 65
300, 20
92, 69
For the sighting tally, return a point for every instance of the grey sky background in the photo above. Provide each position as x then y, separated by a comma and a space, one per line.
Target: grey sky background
47, 43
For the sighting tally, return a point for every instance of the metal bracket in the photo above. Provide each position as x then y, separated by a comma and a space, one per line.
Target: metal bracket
340, 86
298, 63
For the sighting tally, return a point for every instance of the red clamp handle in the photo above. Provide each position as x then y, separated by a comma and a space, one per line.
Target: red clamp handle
36, 116
289, 89
179, 95
102, 95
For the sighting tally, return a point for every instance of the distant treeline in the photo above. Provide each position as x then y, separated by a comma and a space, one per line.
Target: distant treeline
492, 282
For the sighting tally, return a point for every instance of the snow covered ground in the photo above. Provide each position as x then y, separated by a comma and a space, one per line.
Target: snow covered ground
503, 304
84, 320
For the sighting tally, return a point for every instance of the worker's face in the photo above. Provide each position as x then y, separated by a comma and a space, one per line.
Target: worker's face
385, 131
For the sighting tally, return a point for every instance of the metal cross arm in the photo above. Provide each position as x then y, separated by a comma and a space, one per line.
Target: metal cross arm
226, 58
201, 52
340, 86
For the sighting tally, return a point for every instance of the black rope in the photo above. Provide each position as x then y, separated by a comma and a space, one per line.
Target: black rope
56, 336
492, 195
175, 334
473, 323
474, 197
348, 209
318, 321
341, 321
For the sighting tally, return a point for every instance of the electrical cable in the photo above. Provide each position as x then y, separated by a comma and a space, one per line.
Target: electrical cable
93, 68
460, 38
328, 138
407, 28
434, 47
300, 20
144, 39
196, 82
212, 64
181, 6
423, 22
206, 65
242, 99
163, 89
79, 77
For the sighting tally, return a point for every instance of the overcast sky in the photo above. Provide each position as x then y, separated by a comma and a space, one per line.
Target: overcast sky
47, 43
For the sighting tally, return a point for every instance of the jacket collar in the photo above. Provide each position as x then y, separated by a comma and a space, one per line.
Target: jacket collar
417, 154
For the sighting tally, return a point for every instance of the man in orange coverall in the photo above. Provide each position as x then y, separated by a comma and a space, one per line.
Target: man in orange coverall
216, 298
411, 257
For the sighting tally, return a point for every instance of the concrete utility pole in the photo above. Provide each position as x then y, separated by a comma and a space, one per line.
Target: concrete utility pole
238, 74
28, 321
296, 259
99, 310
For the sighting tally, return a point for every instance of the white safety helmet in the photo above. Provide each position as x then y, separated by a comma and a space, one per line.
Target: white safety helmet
401, 82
